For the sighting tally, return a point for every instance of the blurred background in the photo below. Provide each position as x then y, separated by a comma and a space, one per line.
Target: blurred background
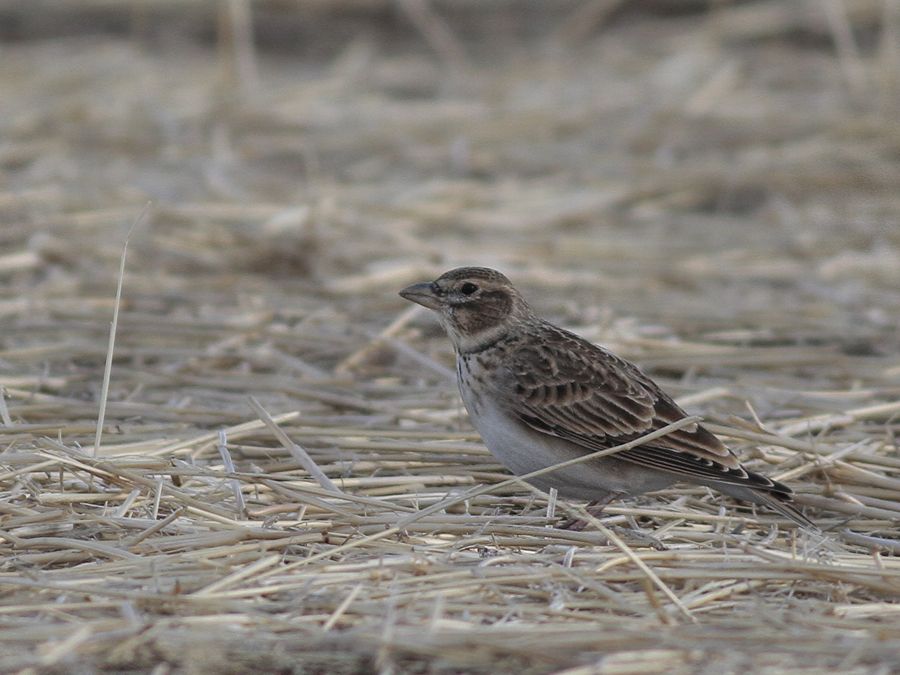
720, 160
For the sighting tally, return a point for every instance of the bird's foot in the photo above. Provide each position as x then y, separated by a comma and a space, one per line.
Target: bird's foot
594, 508
630, 535
639, 538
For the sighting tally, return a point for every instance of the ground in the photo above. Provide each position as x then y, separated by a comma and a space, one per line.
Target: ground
709, 189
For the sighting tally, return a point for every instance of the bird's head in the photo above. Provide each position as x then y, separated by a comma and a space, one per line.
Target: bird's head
475, 305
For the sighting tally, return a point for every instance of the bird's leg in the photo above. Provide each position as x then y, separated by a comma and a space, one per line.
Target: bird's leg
594, 508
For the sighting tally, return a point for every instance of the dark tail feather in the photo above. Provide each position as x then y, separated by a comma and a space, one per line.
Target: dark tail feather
775, 496
786, 509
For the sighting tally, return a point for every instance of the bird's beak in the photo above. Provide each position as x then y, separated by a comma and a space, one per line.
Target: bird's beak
422, 294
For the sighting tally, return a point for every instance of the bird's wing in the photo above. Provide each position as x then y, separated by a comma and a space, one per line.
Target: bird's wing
567, 387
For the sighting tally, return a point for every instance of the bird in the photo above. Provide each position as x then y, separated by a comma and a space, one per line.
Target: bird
539, 395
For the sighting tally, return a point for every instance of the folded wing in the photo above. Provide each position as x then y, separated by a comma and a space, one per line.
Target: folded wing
567, 387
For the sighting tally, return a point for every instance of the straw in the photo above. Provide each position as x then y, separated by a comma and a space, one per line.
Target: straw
707, 189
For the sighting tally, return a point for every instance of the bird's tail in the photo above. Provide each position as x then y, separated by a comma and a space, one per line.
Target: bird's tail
786, 509
775, 496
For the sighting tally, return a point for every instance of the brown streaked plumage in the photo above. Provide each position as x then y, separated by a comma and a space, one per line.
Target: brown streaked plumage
540, 395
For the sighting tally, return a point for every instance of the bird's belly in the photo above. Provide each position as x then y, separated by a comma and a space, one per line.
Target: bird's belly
523, 450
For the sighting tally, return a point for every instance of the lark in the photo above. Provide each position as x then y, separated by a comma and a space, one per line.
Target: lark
540, 395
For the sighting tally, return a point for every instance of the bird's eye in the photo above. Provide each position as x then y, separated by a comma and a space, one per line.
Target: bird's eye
468, 288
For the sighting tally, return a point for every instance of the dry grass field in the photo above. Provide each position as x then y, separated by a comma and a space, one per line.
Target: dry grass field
712, 189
